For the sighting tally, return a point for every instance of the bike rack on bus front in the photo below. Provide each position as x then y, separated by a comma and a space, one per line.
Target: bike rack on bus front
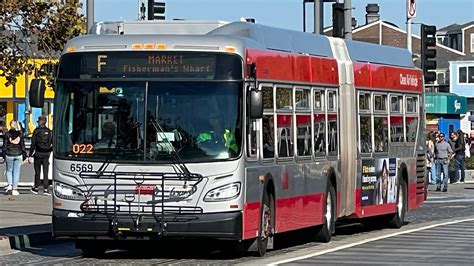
140, 200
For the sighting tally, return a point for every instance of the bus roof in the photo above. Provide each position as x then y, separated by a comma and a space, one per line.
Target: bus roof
214, 35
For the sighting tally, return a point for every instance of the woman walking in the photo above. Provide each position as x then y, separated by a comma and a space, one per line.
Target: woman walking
459, 149
14, 153
430, 164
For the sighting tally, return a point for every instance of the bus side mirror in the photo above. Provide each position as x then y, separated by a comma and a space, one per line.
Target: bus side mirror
256, 103
36, 94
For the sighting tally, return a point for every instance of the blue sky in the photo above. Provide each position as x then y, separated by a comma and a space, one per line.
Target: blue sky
288, 13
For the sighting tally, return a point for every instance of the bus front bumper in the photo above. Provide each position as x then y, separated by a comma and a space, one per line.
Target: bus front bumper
72, 225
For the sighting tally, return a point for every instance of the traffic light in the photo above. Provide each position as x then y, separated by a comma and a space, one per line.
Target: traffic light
428, 51
156, 10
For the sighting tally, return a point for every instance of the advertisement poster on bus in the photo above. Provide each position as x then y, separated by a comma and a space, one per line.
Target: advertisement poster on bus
379, 181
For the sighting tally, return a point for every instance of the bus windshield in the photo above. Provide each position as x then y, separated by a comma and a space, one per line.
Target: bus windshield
148, 121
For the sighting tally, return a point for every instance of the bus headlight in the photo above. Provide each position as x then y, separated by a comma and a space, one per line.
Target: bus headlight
64, 191
227, 192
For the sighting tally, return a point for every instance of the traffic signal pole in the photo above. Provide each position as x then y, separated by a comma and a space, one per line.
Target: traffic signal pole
90, 14
409, 45
348, 19
318, 16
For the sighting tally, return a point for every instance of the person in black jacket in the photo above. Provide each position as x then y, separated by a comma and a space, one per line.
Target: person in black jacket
40, 150
15, 153
3, 130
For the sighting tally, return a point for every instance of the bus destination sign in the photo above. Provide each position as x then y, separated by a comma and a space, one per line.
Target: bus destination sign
154, 64
150, 65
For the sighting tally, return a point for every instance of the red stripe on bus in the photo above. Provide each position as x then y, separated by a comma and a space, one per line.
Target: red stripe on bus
387, 77
284, 120
412, 201
303, 120
250, 220
324, 70
291, 213
285, 66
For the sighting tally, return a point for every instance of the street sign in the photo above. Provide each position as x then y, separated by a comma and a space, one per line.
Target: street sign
411, 8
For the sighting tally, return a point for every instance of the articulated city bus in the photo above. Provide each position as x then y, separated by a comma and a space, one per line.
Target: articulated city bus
230, 131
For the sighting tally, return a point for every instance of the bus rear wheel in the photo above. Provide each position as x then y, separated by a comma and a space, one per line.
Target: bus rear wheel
324, 232
396, 220
267, 223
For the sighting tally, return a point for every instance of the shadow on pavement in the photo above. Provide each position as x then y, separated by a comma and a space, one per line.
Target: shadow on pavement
25, 229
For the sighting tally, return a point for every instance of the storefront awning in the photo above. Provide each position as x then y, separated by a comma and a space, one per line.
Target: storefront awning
445, 103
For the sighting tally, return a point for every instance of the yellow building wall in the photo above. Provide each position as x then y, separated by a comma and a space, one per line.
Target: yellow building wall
7, 94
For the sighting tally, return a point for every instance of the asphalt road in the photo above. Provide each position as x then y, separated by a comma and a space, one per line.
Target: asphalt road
439, 208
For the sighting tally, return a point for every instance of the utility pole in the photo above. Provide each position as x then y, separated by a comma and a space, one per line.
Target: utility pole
318, 16
27, 92
90, 14
347, 19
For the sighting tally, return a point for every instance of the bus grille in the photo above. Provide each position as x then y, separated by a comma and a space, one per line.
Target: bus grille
135, 195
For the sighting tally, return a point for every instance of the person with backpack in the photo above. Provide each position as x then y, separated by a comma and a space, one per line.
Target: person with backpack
40, 150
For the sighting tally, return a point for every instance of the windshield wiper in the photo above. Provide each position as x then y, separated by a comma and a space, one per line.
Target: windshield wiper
181, 164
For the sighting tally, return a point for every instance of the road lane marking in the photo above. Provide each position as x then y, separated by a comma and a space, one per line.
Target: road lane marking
368, 240
448, 201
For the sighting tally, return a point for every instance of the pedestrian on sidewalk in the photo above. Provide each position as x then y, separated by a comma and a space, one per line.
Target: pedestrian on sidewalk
459, 149
443, 155
40, 150
430, 157
15, 153
3, 131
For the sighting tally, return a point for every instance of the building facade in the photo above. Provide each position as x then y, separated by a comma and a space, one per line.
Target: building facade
13, 105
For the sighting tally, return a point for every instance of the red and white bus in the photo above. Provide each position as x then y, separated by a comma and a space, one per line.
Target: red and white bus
233, 131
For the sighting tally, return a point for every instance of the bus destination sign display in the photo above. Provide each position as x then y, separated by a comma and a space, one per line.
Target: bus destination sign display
182, 65
151, 65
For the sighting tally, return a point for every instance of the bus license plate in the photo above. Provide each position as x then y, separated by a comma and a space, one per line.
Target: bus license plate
145, 190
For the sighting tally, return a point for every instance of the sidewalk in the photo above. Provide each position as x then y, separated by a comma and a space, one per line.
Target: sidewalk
25, 220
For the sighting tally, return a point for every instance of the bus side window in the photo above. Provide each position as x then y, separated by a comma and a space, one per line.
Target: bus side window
365, 134
303, 122
252, 138
319, 123
332, 123
268, 128
284, 106
396, 119
365, 122
380, 123
268, 141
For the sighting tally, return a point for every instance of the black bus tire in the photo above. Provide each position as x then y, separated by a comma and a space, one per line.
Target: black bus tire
268, 204
324, 232
396, 220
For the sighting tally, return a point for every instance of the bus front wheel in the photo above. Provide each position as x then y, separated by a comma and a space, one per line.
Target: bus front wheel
267, 223
324, 232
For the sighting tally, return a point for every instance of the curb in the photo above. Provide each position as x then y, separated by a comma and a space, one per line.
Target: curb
24, 241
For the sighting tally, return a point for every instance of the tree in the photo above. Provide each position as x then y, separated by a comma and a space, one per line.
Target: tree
35, 25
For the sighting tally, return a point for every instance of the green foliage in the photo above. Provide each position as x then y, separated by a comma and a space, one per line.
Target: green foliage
34, 25
469, 162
